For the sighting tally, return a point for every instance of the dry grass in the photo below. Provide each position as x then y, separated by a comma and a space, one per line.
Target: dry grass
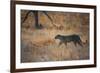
39, 45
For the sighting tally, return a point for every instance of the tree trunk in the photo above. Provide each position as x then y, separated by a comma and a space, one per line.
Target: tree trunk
36, 19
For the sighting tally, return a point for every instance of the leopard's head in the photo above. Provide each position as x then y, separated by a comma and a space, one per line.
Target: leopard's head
57, 36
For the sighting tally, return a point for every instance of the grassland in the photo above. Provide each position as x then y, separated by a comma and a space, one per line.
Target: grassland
40, 45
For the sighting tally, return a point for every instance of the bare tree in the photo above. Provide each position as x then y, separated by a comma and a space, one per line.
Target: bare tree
37, 25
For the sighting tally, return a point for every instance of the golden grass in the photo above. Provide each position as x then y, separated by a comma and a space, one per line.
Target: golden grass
42, 46
39, 45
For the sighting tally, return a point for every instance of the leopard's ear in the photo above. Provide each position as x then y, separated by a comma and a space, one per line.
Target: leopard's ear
58, 35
